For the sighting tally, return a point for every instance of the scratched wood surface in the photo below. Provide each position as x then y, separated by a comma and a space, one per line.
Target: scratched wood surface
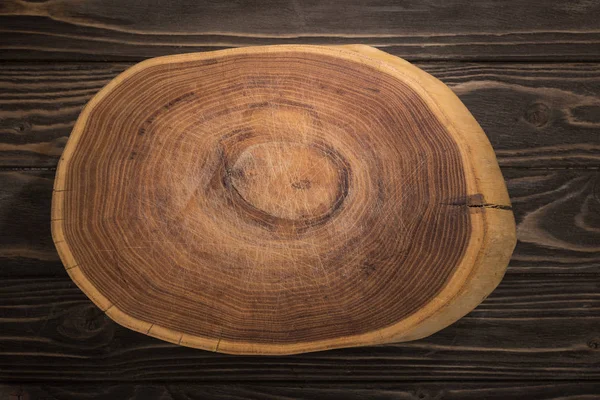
536, 337
258, 205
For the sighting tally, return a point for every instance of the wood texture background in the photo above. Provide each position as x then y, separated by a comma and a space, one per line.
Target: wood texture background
414, 29
528, 71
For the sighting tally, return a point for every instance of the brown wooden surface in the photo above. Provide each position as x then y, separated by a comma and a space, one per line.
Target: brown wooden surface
415, 391
555, 210
426, 29
541, 323
548, 115
531, 328
536, 337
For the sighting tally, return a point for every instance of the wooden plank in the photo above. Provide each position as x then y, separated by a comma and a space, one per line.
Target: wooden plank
407, 391
426, 29
26, 247
39, 103
536, 115
557, 215
558, 220
539, 327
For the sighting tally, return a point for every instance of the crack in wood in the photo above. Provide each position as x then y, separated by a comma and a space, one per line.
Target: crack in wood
489, 205
484, 205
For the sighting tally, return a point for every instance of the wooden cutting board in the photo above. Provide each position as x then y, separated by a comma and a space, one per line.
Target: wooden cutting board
281, 199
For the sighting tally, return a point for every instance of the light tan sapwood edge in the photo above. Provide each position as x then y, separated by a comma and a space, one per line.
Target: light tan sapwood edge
481, 269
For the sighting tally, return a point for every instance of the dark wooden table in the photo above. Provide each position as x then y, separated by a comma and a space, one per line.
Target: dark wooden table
528, 70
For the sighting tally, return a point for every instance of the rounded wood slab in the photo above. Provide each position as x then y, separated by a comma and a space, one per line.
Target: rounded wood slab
281, 199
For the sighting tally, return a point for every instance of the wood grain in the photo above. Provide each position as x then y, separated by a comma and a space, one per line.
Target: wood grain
558, 216
540, 325
547, 118
407, 391
209, 199
428, 29
39, 104
561, 236
26, 243
536, 328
